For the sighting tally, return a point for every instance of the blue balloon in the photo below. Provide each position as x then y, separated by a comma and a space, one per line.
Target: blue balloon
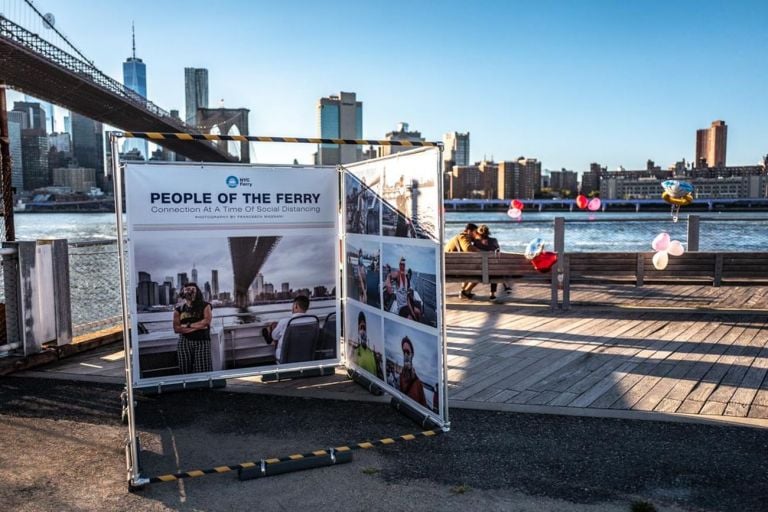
534, 248
677, 188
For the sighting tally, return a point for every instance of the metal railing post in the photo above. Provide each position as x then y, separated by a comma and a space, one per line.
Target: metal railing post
693, 232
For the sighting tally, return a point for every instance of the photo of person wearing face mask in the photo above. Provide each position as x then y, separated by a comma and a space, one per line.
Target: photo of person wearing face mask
365, 343
366, 359
410, 384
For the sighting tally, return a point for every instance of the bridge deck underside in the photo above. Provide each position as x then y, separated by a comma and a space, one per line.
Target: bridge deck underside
248, 256
32, 74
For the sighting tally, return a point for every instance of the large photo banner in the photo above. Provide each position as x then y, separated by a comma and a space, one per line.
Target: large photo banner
394, 331
232, 270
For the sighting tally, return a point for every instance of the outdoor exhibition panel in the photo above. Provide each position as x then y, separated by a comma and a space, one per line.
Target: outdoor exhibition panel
393, 267
252, 238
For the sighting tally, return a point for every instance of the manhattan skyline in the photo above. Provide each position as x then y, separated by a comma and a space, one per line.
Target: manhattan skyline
615, 83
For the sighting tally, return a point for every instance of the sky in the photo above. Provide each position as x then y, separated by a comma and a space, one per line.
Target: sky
567, 82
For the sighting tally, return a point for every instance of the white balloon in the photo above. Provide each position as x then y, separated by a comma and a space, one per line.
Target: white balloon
660, 260
661, 242
675, 248
514, 213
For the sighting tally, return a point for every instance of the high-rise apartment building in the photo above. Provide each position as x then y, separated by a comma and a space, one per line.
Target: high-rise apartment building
88, 147
259, 283
34, 158
711, 145
15, 122
590, 180
401, 134
518, 179
48, 108
564, 180
339, 117
456, 148
195, 93
135, 78
79, 179
530, 178
215, 283
60, 142
478, 181
34, 117
508, 180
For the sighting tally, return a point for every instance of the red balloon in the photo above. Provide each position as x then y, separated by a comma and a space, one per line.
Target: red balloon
544, 261
516, 203
582, 201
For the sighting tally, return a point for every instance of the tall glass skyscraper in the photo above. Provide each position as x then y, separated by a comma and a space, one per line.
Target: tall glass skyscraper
135, 78
195, 92
339, 117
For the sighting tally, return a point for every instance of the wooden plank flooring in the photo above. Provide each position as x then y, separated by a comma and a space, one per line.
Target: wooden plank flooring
684, 349
688, 349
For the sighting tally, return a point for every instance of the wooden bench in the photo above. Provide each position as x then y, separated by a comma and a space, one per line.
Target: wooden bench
495, 267
636, 268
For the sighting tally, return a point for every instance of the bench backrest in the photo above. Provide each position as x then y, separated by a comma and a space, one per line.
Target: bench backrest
692, 267
489, 266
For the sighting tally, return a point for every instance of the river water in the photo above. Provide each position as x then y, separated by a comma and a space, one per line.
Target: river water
584, 231
94, 278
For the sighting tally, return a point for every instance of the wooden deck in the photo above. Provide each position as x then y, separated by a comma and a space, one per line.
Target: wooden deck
697, 350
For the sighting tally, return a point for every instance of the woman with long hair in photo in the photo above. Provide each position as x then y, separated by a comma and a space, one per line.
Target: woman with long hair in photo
192, 322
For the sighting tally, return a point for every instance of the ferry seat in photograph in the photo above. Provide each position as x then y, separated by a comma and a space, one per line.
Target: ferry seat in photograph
300, 339
326, 346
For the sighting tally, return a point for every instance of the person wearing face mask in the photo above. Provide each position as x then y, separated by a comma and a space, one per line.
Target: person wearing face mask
192, 322
364, 356
407, 302
410, 384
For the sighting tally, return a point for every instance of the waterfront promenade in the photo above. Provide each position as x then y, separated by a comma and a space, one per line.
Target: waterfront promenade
695, 352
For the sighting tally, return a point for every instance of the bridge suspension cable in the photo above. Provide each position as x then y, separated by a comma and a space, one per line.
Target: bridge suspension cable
25, 14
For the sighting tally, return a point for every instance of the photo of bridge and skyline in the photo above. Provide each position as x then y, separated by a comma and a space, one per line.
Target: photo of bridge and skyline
287, 266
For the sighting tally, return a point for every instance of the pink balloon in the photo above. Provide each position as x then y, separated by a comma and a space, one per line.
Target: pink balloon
661, 242
594, 204
515, 213
675, 248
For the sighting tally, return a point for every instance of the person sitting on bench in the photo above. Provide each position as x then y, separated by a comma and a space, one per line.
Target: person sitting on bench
276, 330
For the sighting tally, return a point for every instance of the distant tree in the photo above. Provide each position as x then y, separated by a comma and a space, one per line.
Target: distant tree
545, 193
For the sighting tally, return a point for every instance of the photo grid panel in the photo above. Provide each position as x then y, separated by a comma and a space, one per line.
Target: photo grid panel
393, 309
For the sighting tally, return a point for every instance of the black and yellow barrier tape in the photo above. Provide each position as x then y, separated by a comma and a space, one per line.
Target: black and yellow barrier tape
276, 460
251, 138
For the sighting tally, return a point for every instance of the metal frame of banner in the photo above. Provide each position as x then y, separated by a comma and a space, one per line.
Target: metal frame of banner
133, 467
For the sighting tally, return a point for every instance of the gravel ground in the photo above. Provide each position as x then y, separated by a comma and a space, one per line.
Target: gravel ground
61, 449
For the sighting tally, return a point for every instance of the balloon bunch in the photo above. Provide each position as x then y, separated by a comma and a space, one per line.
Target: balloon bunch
677, 193
516, 209
588, 204
541, 260
665, 247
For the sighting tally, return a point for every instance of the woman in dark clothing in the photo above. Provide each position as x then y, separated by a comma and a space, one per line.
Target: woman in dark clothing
485, 242
192, 322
